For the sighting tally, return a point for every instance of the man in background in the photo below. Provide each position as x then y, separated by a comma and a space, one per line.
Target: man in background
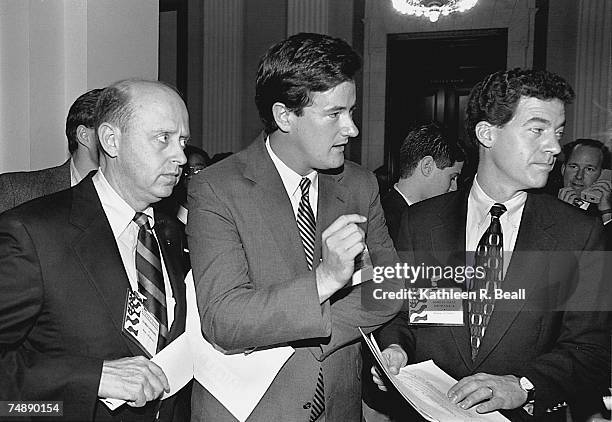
72, 264
585, 160
274, 231
19, 187
525, 356
430, 164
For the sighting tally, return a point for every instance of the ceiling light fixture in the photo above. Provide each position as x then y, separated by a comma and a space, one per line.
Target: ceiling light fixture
432, 9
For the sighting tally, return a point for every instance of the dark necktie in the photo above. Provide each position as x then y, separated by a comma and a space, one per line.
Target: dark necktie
307, 227
150, 277
490, 256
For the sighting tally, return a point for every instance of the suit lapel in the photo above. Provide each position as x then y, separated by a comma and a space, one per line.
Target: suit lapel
526, 268
97, 251
270, 199
448, 244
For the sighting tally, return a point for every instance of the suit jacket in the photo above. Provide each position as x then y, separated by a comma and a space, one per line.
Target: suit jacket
556, 337
63, 296
19, 187
394, 206
254, 288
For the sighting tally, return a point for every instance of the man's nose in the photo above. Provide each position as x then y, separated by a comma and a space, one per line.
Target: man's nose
350, 129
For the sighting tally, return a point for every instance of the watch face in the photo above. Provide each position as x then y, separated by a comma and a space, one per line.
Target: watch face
526, 384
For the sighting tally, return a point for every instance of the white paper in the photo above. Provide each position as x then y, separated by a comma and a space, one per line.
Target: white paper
424, 386
177, 363
238, 381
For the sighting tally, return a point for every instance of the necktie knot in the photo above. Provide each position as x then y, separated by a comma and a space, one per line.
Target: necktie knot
142, 220
497, 210
305, 186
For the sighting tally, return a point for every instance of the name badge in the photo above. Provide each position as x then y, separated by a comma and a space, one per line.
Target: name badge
139, 324
435, 306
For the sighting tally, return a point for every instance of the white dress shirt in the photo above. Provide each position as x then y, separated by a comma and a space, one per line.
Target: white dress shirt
120, 217
75, 176
478, 219
291, 181
396, 187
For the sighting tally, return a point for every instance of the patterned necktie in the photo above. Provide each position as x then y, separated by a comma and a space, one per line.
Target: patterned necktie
307, 227
490, 256
150, 277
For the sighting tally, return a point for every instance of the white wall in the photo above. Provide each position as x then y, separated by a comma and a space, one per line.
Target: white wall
53, 51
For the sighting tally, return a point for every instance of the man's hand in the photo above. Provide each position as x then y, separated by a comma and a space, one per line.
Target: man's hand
136, 380
494, 392
341, 242
567, 195
605, 188
395, 358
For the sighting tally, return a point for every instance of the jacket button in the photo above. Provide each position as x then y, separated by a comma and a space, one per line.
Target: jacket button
307, 405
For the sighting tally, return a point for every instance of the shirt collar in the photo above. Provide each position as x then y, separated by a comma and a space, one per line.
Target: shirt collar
396, 187
482, 203
75, 176
291, 179
118, 212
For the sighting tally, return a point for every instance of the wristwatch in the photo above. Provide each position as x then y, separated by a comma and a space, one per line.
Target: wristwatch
530, 389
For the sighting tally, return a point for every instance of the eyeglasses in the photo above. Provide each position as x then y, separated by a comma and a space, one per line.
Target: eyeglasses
190, 171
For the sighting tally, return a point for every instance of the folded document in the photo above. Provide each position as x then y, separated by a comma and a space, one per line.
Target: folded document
424, 386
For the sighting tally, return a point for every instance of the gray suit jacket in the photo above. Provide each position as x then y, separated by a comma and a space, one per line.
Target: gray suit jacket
23, 186
254, 288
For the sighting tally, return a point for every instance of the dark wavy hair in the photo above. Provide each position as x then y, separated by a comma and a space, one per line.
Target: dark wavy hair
297, 66
81, 112
429, 140
495, 99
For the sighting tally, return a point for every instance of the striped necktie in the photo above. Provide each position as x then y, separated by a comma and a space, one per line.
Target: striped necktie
150, 277
307, 226
490, 256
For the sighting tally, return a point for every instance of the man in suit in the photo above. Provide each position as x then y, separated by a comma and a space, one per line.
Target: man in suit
68, 260
19, 187
274, 231
529, 355
430, 163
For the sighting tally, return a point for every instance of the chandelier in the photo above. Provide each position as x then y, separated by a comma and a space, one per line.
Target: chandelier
432, 9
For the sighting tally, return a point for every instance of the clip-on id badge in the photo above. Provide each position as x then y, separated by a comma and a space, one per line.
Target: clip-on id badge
435, 306
139, 324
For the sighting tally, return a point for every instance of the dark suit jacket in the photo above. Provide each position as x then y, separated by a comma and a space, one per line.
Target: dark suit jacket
553, 337
19, 187
394, 206
254, 288
63, 290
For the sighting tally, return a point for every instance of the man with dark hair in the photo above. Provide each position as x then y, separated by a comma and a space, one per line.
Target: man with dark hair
430, 163
533, 335
19, 187
584, 161
73, 262
274, 232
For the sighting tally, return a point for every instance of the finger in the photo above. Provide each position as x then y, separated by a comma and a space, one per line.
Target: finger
495, 403
349, 234
342, 221
481, 394
159, 375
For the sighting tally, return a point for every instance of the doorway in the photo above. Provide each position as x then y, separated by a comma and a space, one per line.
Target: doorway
429, 78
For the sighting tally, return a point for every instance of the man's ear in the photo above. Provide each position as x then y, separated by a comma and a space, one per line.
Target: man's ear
485, 133
110, 137
282, 116
83, 138
426, 165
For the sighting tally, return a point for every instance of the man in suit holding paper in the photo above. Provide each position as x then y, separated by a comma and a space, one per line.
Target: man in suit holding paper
68, 260
524, 355
274, 232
